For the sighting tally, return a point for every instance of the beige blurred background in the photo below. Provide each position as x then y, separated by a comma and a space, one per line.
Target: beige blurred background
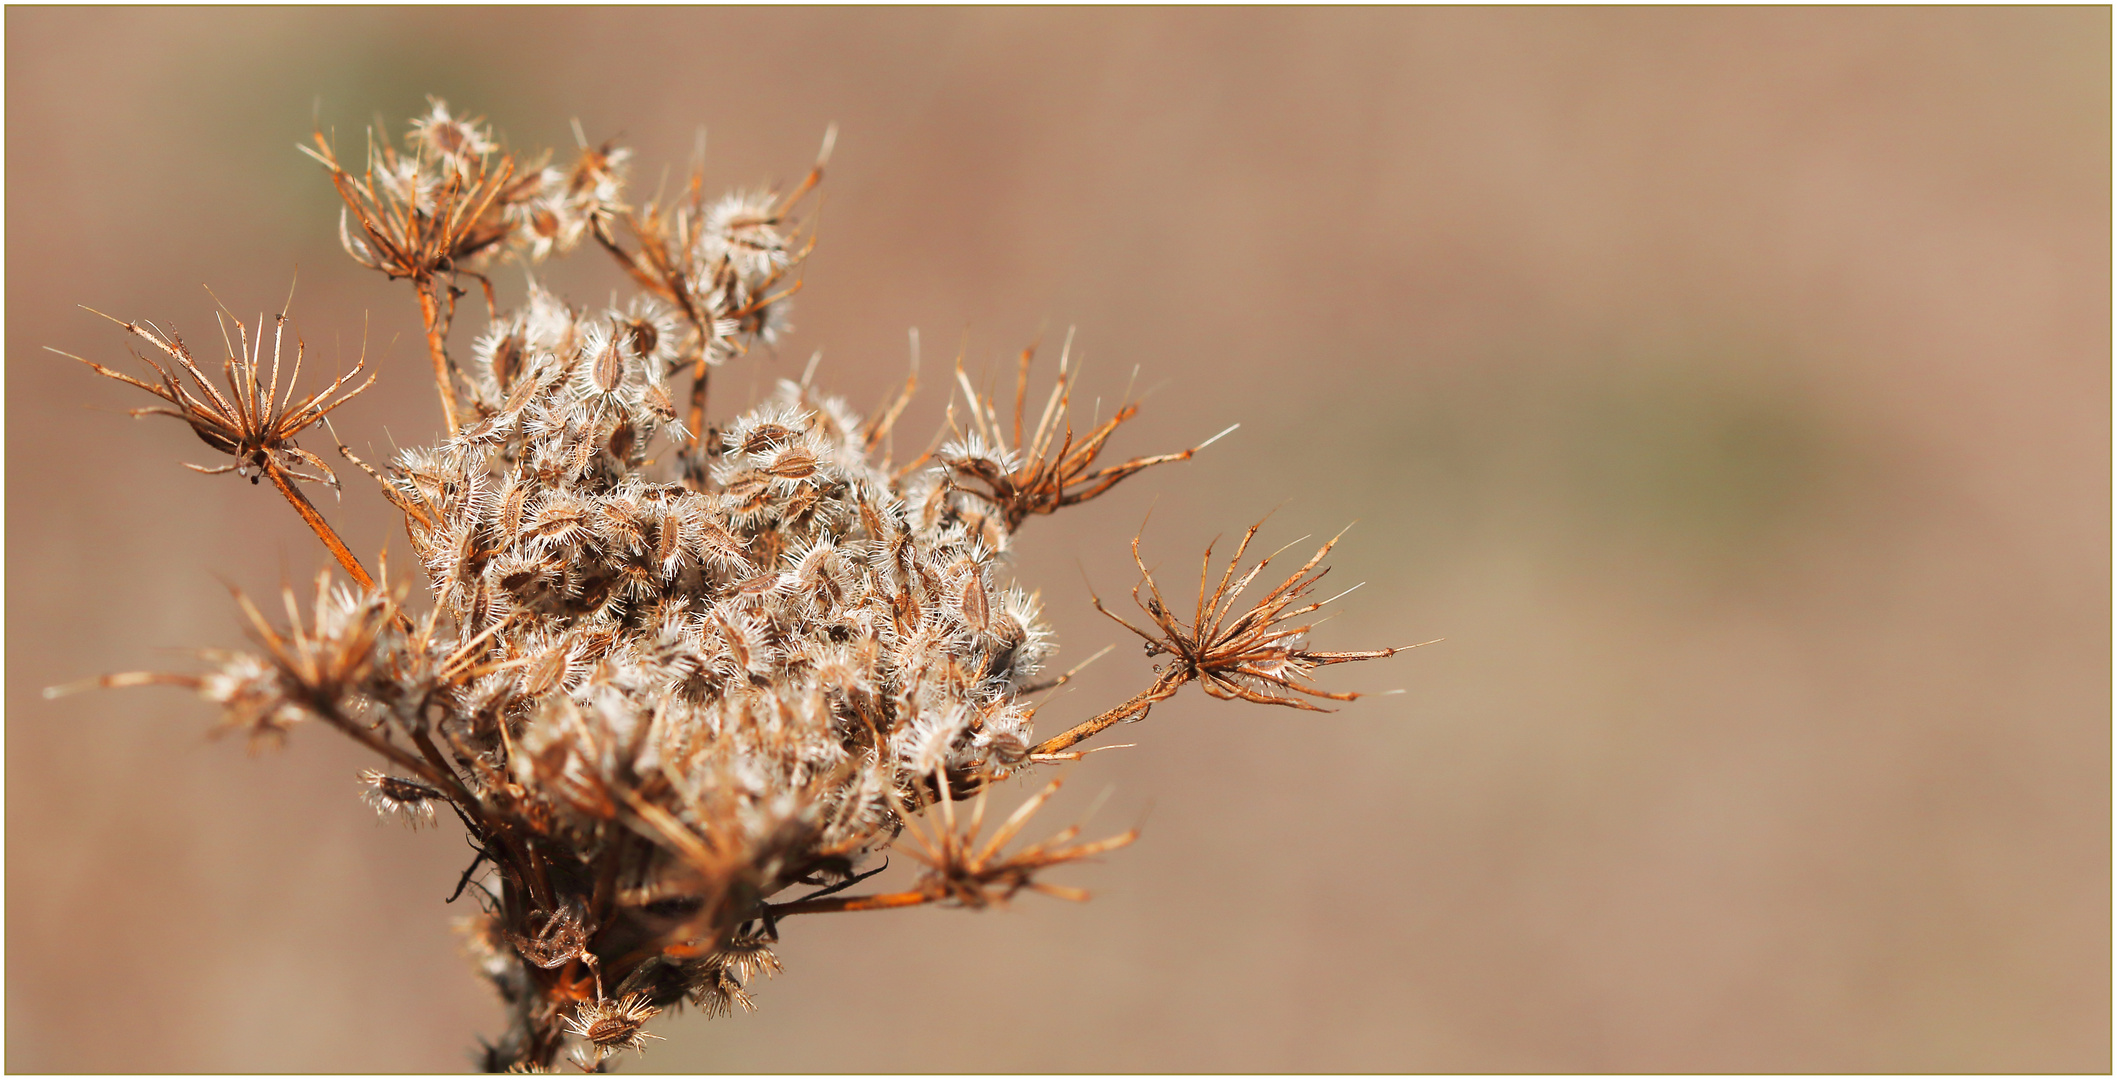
1730, 388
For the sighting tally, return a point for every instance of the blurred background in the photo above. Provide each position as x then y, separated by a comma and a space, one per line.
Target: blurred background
1729, 388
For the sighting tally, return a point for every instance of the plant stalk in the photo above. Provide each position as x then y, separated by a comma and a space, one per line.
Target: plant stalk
430, 314
322, 528
1133, 709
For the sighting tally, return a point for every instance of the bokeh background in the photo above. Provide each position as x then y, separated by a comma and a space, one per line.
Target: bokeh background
1729, 388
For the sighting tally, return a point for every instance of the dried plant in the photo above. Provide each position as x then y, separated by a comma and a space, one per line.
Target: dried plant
253, 423
670, 671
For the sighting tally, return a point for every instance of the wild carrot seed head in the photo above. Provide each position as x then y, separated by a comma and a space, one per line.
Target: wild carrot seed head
672, 672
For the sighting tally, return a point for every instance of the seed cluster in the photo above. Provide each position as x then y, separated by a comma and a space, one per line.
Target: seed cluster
671, 671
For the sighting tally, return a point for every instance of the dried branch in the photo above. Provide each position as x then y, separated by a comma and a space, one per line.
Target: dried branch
659, 689
1051, 469
963, 872
254, 423
1254, 656
427, 214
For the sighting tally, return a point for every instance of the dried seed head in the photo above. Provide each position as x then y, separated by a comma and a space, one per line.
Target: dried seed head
717, 991
433, 208
560, 938
792, 464
614, 1025
763, 437
254, 422
747, 956
448, 136
663, 694
609, 367
408, 801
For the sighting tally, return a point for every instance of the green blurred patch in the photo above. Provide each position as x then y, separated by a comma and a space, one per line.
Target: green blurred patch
1693, 463
1713, 456
380, 64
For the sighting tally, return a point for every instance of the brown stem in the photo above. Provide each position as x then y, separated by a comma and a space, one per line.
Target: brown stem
537, 1037
322, 528
456, 790
530, 1039
430, 314
330, 539
438, 775
871, 902
386, 748
624, 258
603, 901
519, 859
1163, 688
698, 399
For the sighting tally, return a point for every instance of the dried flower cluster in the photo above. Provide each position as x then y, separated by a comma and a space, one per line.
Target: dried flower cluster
670, 672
